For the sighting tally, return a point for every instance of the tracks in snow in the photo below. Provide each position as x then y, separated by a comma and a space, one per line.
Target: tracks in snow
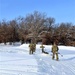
51, 67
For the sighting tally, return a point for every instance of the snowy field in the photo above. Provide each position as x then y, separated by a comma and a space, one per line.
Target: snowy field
15, 60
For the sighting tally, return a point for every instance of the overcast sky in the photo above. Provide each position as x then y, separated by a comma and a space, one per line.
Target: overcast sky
61, 10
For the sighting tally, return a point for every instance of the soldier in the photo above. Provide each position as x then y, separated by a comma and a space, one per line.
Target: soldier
34, 45
55, 51
31, 46
42, 48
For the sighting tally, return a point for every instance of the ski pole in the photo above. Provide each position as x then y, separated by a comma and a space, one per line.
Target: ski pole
60, 54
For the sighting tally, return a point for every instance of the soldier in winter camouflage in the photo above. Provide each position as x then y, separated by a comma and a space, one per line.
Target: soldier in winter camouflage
55, 51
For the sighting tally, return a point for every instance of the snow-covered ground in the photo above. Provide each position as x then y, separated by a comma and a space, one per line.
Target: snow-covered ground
15, 60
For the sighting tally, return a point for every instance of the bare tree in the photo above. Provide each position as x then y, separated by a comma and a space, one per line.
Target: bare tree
4, 32
35, 23
13, 31
63, 32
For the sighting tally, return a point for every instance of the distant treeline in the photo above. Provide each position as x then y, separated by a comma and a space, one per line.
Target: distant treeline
37, 27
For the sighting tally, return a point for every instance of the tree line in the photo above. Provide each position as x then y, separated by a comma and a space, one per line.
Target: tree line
32, 25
